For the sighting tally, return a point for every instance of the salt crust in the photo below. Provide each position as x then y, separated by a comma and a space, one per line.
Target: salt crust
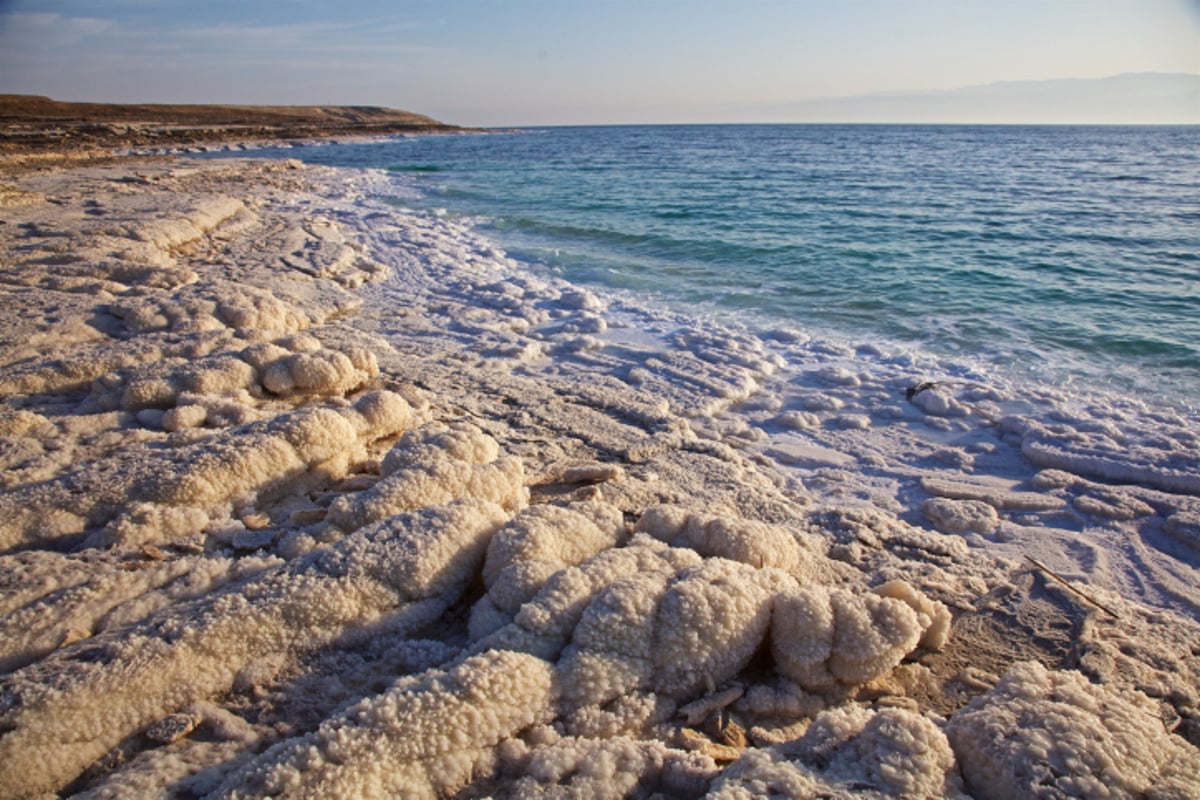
273, 526
398, 574
850, 751
423, 737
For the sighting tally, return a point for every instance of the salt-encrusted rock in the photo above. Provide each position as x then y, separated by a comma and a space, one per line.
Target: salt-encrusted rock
462, 442
593, 473
712, 619
81, 596
750, 542
1042, 733
960, 516
320, 372
612, 647
143, 523
545, 624
1109, 503
822, 637
934, 616
183, 417
210, 306
614, 767
1095, 457
849, 751
1001, 497
191, 480
252, 539
937, 404
255, 458
424, 737
437, 470
172, 728
675, 633
539, 542
398, 574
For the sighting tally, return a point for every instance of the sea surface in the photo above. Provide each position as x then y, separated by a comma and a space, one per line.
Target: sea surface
1062, 254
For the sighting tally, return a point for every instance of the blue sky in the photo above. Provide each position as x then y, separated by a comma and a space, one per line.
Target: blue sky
500, 62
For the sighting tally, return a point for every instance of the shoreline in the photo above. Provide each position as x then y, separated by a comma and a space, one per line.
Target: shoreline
271, 443
36, 132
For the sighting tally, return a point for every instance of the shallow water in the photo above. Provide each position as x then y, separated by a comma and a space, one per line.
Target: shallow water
1068, 255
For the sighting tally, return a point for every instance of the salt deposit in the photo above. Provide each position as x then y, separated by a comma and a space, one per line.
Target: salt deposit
306, 495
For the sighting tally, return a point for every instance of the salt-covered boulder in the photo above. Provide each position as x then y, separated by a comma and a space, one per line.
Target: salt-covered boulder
539, 542
673, 633
321, 372
748, 541
425, 737
849, 751
437, 473
712, 619
1043, 733
960, 516
612, 650
608, 768
824, 637
398, 575
545, 624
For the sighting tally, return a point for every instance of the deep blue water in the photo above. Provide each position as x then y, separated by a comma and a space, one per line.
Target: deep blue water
1065, 253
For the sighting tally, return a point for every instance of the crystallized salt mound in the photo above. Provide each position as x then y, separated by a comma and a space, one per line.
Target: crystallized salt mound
849, 751
822, 637
60, 715
607, 768
157, 495
435, 464
539, 542
108, 596
323, 372
544, 625
257, 458
648, 618
673, 631
755, 543
960, 516
318, 371
423, 738
1042, 733
211, 306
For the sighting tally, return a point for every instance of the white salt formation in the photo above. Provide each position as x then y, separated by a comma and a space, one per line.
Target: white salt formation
1088, 741
305, 495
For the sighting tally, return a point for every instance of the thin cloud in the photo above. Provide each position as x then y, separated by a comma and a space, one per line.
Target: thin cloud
305, 38
48, 29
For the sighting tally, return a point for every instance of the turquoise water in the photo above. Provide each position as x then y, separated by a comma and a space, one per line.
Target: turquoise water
1066, 254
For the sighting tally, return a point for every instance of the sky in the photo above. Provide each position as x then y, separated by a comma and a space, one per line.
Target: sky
533, 62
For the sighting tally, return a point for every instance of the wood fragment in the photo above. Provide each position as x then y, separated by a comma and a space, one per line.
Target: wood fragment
1051, 573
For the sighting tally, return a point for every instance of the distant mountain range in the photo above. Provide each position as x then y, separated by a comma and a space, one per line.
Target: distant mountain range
1133, 98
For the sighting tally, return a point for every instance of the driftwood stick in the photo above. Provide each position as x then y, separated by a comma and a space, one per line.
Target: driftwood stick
1051, 573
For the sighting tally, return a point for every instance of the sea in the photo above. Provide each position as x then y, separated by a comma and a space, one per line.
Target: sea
1066, 255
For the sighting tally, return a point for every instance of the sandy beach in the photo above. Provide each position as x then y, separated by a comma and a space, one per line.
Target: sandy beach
307, 495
